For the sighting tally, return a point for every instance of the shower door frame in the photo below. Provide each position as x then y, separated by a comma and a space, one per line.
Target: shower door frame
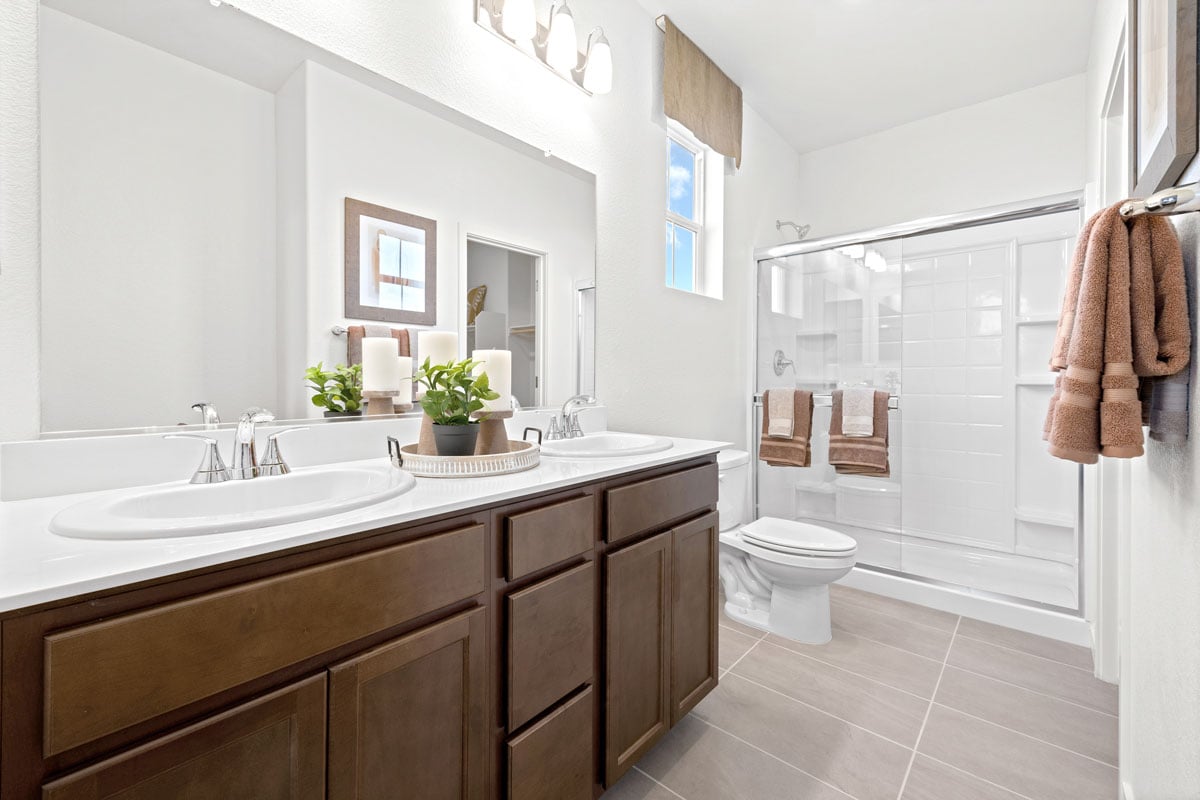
1008, 212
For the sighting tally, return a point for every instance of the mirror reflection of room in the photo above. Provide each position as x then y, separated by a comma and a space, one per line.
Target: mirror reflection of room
502, 304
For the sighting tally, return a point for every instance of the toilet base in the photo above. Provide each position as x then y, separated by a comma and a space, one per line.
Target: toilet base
801, 613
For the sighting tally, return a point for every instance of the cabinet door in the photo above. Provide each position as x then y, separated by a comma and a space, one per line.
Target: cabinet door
693, 614
638, 638
406, 720
272, 748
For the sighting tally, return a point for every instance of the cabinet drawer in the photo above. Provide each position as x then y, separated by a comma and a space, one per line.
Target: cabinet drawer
652, 504
545, 536
106, 676
272, 748
553, 759
551, 642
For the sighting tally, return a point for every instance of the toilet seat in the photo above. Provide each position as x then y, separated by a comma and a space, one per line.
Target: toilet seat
797, 538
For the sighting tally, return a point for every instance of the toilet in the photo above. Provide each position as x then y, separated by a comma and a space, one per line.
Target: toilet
775, 572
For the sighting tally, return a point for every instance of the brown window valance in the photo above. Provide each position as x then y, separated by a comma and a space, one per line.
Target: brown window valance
697, 94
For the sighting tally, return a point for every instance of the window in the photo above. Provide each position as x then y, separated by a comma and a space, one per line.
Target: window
685, 214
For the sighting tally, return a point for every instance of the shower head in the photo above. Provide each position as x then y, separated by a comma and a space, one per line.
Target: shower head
801, 230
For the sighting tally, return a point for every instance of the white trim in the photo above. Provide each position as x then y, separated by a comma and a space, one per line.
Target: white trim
1040, 621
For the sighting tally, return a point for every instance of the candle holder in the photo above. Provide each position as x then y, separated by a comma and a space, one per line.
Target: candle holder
401, 408
493, 436
380, 403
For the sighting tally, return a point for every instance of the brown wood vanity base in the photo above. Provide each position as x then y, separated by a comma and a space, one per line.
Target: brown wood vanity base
532, 650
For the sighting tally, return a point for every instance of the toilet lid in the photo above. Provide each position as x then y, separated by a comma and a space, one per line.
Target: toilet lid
789, 536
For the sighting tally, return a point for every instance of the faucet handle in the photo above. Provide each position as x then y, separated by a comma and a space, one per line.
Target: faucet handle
209, 414
272, 462
553, 431
212, 467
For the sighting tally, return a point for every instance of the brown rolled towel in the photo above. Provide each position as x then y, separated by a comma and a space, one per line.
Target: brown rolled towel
1162, 331
1074, 415
796, 451
860, 455
356, 333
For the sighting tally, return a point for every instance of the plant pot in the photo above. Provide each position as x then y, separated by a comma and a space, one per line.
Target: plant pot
455, 440
342, 414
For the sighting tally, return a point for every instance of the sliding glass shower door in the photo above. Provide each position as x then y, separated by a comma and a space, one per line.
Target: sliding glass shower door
958, 326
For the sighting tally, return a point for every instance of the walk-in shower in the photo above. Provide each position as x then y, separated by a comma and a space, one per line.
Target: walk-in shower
955, 317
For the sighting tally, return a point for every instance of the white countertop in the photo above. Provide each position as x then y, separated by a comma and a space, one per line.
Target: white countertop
37, 566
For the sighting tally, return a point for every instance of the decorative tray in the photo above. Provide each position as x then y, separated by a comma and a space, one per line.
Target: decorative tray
521, 456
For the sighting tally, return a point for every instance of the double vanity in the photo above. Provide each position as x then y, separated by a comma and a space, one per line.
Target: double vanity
519, 636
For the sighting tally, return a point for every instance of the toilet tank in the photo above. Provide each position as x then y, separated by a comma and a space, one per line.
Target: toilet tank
733, 492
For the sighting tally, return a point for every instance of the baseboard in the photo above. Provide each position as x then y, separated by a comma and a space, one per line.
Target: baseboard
1040, 621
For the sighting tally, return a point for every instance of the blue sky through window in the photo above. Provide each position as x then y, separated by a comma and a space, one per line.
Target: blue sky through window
681, 181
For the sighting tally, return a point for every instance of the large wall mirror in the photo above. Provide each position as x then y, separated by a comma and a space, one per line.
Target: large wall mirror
196, 165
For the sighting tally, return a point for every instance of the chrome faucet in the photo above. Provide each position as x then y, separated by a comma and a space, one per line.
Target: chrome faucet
245, 463
566, 425
209, 413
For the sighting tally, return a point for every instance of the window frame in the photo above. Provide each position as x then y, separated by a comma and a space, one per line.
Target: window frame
677, 134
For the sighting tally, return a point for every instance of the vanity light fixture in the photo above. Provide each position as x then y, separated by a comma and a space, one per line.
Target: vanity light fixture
553, 44
518, 20
561, 54
598, 64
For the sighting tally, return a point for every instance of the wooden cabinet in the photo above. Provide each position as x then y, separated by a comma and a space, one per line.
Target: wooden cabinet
533, 649
272, 748
407, 719
694, 562
661, 641
637, 600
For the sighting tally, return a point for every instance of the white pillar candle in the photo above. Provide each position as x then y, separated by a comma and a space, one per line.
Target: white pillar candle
440, 347
381, 370
498, 366
404, 367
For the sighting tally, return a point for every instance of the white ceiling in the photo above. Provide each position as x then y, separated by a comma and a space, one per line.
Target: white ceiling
827, 71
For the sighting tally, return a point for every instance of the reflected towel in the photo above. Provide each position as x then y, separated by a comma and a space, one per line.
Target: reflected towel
858, 412
795, 451
779, 406
356, 333
858, 455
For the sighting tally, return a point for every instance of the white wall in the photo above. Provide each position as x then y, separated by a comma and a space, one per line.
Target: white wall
158, 247
1160, 563
370, 146
1024, 145
20, 219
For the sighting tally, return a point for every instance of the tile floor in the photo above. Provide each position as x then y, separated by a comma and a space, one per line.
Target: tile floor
906, 703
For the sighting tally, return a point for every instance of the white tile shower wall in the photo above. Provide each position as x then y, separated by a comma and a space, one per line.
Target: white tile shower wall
953, 398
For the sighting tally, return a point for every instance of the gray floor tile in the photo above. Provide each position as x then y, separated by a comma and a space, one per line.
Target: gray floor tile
1031, 672
856, 761
636, 786
876, 707
1052, 649
898, 668
1014, 761
857, 619
930, 780
1082, 730
731, 646
931, 617
702, 763
734, 625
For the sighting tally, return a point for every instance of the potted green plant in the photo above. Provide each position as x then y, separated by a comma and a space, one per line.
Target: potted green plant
339, 391
452, 394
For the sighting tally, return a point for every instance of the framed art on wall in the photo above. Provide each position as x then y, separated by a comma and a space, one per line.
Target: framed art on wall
391, 265
1163, 134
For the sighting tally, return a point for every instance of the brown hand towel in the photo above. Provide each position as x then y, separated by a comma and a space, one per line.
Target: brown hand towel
1162, 331
1166, 399
796, 451
356, 333
1074, 415
860, 455
1120, 409
1066, 320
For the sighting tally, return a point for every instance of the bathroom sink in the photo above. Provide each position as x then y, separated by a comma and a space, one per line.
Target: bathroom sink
608, 444
185, 510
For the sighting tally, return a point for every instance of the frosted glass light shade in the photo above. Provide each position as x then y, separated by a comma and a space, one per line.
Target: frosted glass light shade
598, 70
561, 54
518, 20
